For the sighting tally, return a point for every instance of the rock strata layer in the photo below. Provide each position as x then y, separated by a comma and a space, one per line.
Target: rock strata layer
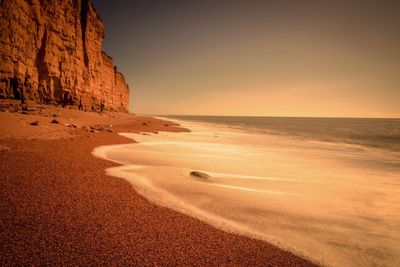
50, 52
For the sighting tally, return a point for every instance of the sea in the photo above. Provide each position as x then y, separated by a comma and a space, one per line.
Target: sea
327, 189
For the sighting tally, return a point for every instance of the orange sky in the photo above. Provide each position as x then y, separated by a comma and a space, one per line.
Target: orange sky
262, 58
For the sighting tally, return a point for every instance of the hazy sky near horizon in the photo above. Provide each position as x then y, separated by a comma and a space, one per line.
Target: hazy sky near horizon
265, 58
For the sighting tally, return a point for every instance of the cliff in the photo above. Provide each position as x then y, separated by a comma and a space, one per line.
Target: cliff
50, 52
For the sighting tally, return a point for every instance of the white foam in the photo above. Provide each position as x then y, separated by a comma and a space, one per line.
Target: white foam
322, 201
254, 190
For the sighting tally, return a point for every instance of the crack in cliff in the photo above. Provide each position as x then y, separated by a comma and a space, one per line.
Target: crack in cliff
84, 17
41, 66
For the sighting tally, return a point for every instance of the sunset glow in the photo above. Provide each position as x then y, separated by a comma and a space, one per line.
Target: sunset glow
262, 58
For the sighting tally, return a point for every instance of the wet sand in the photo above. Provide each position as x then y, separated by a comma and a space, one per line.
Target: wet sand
57, 206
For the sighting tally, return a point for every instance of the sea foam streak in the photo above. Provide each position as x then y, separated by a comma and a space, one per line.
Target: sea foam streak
323, 201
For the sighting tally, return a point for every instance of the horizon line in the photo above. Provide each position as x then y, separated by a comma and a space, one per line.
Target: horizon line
264, 116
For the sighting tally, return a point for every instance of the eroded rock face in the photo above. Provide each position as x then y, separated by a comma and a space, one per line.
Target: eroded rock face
50, 52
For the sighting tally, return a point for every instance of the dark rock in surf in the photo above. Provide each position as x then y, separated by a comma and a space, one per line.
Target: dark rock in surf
201, 176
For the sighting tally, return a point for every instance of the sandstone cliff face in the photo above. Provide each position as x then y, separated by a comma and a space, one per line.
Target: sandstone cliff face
50, 52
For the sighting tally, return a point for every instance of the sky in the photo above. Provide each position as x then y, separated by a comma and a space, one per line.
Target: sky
257, 58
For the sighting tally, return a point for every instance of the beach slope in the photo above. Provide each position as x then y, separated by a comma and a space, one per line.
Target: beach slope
58, 207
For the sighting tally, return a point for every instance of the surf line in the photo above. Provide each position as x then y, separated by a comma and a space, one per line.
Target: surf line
253, 190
